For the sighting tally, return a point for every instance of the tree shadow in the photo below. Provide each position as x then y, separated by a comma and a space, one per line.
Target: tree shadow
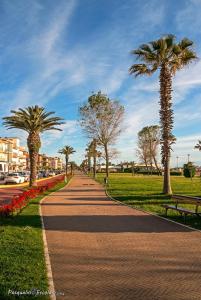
80, 190
144, 198
101, 223
83, 198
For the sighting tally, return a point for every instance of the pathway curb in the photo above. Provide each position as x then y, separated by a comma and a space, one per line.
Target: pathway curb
46, 250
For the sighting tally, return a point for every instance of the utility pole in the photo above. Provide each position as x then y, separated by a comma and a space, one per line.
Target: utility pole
177, 162
188, 157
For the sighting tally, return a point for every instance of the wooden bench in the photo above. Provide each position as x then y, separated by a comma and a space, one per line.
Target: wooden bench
184, 200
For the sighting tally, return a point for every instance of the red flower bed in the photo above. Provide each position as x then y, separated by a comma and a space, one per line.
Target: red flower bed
19, 202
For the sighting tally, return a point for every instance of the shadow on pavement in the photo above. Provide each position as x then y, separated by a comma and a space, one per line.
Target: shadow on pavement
103, 223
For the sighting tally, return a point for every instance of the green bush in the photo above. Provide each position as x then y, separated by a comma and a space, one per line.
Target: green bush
145, 172
189, 170
175, 173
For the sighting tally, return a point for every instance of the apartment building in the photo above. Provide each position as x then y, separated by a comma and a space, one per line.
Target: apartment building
12, 157
49, 163
4, 155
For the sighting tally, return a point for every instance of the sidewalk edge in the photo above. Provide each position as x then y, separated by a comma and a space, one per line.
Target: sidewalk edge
46, 250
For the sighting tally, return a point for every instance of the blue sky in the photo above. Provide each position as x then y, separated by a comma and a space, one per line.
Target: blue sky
55, 53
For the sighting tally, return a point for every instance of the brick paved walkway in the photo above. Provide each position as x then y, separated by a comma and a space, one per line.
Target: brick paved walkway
102, 250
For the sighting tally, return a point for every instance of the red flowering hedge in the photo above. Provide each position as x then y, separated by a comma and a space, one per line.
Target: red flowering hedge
19, 202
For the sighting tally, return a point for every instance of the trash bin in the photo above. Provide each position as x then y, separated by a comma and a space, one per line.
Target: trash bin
105, 180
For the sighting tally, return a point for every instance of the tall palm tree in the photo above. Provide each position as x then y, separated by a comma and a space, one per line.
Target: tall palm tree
168, 57
93, 152
34, 120
198, 145
67, 151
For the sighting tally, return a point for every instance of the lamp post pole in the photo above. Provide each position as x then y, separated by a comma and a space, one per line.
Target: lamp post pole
177, 162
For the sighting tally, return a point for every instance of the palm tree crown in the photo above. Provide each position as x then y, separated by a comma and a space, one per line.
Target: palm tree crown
67, 150
34, 120
160, 52
198, 145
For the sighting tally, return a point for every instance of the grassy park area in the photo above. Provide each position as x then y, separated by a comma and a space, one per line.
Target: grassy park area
144, 192
22, 262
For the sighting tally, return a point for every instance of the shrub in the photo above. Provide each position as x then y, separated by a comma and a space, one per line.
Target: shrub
175, 173
189, 170
145, 172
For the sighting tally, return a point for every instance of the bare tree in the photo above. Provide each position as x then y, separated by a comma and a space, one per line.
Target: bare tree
148, 144
143, 150
101, 119
112, 154
153, 135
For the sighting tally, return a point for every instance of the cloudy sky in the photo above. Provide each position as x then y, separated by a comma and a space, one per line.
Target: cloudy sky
55, 53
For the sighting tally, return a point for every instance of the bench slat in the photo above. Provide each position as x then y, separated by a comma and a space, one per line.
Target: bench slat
179, 209
182, 199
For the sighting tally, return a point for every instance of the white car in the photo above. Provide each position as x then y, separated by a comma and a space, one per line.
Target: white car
14, 178
2, 178
52, 174
25, 175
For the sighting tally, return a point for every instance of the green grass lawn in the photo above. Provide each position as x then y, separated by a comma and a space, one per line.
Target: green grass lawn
22, 263
145, 192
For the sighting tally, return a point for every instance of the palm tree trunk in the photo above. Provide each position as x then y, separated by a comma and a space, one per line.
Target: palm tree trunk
89, 163
71, 169
33, 143
33, 168
94, 151
94, 165
66, 165
166, 180
106, 160
166, 120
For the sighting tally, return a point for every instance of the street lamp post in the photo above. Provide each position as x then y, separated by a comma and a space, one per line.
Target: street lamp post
177, 162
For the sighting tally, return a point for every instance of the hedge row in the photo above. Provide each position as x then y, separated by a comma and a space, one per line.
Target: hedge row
154, 172
19, 202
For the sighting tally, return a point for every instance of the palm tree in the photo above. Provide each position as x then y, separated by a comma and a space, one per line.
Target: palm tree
34, 120
198, 145
168, 57
67, 151
93, 152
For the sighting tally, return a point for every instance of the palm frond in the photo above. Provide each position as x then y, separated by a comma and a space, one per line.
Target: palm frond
185, 43
140, 69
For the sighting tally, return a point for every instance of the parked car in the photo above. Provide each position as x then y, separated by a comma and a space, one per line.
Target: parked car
52, 174
14, 178
25, 175
42, 174
2, 178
